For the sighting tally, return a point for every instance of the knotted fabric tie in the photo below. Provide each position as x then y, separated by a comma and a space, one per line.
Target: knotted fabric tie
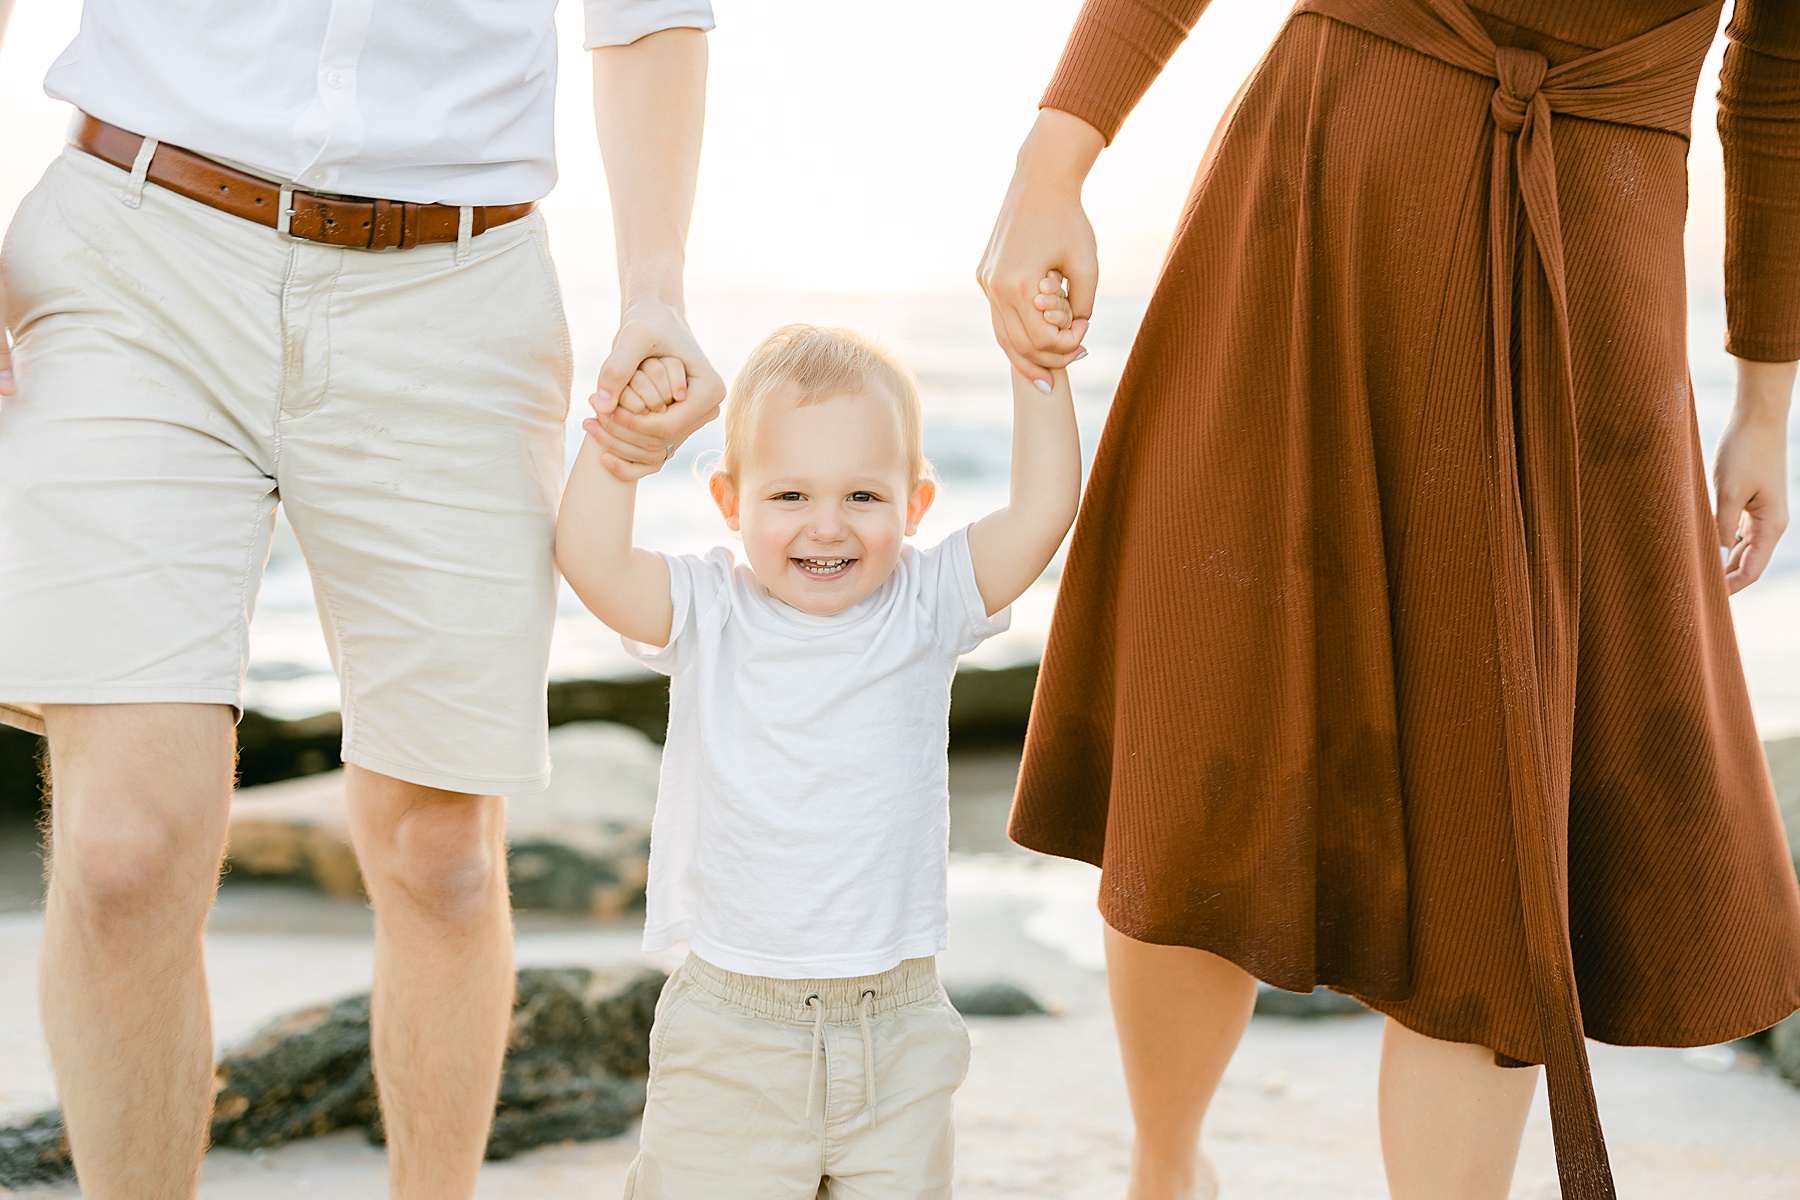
1517, 99
1533, 501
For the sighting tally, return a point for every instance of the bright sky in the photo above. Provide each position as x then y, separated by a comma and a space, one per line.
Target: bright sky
853, 147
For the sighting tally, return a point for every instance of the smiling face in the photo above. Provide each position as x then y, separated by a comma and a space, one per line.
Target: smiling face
824, 497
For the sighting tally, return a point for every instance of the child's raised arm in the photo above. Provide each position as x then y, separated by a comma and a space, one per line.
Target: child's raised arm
1011, 547
625, 587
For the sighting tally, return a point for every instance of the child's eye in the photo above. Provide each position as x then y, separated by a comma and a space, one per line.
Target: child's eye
788, 497
863, 497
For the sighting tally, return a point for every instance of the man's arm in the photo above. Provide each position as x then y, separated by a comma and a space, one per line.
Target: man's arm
625, 587
649, 110
1012, 546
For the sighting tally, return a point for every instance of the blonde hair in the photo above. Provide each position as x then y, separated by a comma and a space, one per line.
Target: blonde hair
811, 363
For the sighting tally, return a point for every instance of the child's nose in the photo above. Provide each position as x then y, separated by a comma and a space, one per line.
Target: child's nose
829, 527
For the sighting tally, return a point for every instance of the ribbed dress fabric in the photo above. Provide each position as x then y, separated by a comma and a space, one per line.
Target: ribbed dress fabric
1393, 651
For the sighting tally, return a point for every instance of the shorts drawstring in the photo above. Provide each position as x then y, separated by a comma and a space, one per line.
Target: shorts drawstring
862, 1017
818, 1050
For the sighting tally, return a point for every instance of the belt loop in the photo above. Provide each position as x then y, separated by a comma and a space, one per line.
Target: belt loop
284, 210
140, 168
465, 229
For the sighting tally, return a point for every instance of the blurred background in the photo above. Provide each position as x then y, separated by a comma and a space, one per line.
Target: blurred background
855, 156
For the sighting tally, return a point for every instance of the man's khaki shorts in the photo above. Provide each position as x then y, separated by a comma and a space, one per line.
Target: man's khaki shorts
790, 1089
180, 371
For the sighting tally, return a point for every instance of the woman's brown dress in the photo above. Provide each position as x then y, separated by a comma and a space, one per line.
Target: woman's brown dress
1393, 651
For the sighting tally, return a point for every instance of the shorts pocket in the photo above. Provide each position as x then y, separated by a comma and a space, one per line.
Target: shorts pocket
677, 993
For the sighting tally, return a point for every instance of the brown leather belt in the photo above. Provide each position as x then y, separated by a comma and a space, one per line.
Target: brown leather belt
358, 224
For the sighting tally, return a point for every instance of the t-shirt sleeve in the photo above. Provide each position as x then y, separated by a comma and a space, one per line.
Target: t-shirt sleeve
697, 586
1759, 125
622, 22
959, 616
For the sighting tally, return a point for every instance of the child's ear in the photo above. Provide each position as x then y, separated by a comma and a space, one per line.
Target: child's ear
725, 495
918, 504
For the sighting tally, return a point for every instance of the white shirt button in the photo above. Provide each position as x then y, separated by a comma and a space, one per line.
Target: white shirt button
335, 79
317, 176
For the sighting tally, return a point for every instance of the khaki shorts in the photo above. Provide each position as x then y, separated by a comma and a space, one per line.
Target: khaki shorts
796, 1088
181, 370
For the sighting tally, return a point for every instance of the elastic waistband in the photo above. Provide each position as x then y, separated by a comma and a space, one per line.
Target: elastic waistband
912, 981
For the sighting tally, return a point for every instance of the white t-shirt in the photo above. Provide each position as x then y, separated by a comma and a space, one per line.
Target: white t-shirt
802, 826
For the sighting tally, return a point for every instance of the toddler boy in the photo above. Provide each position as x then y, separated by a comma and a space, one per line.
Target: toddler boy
805, 1047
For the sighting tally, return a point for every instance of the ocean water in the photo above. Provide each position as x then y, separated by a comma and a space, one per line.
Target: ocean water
968, 419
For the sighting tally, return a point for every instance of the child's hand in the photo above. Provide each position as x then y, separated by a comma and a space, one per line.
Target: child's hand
657, 383
1052, 300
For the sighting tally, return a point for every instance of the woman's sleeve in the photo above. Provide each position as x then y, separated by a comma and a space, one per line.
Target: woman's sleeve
1759, 124
1115, 52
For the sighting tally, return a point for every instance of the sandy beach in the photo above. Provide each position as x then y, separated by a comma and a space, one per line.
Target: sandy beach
1043, 1113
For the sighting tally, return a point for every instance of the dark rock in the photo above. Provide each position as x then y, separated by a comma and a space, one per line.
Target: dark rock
641, 702
994, 999
985, 706
576, 1059
581, 1112
21, 773
271, 749
582, 845
1320, 1002
304, 1074
577, 1056
991, 706
1784, 1047
36, 1152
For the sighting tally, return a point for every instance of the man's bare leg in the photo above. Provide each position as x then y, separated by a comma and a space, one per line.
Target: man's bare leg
141, 795
435, 866
1451, 1120
1180, 1014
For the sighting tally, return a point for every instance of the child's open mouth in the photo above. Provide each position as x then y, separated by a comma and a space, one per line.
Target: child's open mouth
825, 568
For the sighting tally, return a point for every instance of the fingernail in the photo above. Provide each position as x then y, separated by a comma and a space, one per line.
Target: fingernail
1042, 385
1081, 354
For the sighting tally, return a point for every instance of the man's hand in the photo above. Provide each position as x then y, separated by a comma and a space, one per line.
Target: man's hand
1750, 471
655, 389
649, 109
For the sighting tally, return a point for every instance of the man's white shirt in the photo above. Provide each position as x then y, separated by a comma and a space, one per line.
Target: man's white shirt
435, 101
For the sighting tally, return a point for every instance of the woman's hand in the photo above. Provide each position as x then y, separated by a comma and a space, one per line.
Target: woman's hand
1042, 228
1750, 471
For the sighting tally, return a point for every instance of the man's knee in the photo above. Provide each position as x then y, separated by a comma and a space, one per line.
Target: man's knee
119, 867
440, 853
139, 800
